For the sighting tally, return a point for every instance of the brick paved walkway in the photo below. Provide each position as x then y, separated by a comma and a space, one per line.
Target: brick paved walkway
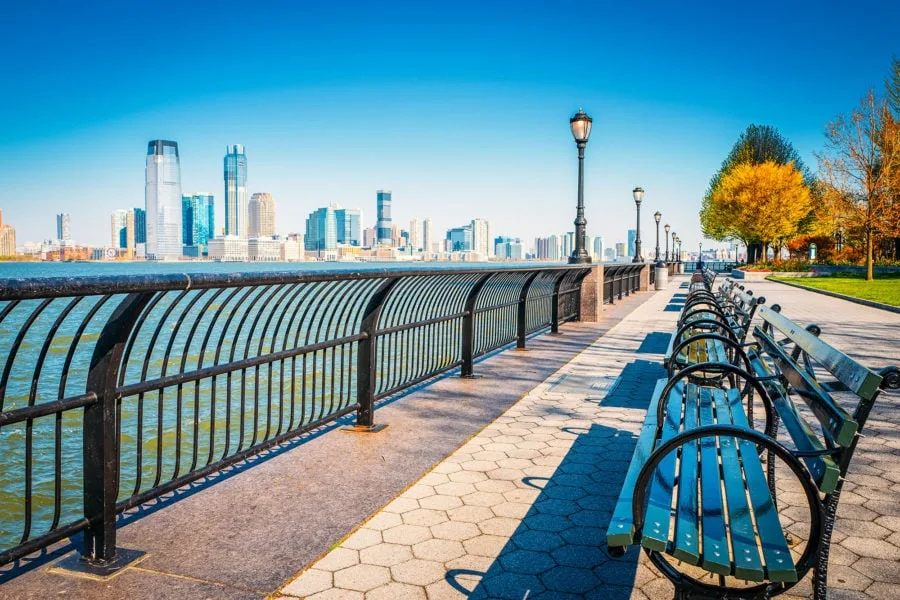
520, 510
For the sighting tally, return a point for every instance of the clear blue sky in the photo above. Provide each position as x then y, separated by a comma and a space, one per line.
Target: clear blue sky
461, 107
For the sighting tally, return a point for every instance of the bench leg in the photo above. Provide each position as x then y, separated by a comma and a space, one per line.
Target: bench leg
820, 575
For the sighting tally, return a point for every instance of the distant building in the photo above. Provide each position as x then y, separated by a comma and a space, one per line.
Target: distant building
369, 239
427, 235
265, 249
609, 254
598, 248
383, 229
348, 226
321, 230
7, 238
459, 239
140, 226
508, 248
262, 215
126, 239
197, 220
228, 248
162, 195
620, 249
632, 236
236, 201
415, 234
64, 226
481, 237
117, 224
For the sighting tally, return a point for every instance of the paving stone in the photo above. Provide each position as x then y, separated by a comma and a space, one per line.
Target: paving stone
383, 520
407, 534
485, 545
470, 514
309, 582
363, 538
418, 572
361, 578
397, 591
385, 555
440, 502
339, 558
438, 550
455, 530
424, 516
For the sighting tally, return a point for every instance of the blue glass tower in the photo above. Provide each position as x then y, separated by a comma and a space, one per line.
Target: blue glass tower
237, 216
383, 231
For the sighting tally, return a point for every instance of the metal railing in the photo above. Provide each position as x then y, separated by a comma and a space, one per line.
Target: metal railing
117, 390
719, 266
620, 281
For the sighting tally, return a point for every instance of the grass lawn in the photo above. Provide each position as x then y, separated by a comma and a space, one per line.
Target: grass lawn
885, 288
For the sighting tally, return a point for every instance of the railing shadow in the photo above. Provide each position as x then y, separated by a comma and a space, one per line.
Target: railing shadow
655, 342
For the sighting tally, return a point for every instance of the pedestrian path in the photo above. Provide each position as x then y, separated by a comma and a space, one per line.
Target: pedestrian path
520, 510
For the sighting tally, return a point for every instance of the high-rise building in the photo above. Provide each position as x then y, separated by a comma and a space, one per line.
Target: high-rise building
197, 219
118, 222
508, 248
262, 215
321, 230
236, 200
427, 235
140, 226
64, 226
7, 238
383, 229
632, 235
598, 248
162, 195
348, 223
368, 237
620, 249
127, 237
481, 237
460, 239
415, 234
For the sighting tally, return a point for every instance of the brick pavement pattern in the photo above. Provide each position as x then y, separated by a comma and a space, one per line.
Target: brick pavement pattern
521, 509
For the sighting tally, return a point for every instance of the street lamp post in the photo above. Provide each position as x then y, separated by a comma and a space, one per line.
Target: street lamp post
581, 131
666, 228
638, 194
657, 216
700, 257
678, 241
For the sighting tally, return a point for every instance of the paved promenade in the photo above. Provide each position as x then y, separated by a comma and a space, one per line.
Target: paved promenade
520, 510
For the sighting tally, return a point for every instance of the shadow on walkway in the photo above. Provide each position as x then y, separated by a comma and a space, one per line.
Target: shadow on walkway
558, 550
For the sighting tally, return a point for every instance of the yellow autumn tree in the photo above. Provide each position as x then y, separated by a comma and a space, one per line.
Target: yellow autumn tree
763, 202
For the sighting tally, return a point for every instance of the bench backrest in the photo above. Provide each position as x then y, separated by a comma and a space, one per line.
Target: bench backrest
839, 427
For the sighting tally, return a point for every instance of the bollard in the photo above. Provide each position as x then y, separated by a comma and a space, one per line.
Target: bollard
662, 277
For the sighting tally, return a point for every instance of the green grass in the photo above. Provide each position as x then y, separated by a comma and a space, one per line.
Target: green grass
885, 288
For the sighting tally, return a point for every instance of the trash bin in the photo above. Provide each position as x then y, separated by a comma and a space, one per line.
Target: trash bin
662, 276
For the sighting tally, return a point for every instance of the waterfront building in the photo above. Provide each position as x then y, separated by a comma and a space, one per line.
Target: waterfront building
236, 200
262, 215
348, 226
620, 249
415, 234
7, 238
427, 236
459, 239
265, 249
321, 230
598, 248
126, 239
369, 240
117, 223
396, 235
481, 237
140, 226
228, 248
383, 229
64, 226
508, 248
632, 235
197, 221
291, 249
609, 254
162, 195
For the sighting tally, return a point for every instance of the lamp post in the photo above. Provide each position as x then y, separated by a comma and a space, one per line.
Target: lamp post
638, 194
657, 216
700, 257
581, 131
678, 241
666, 228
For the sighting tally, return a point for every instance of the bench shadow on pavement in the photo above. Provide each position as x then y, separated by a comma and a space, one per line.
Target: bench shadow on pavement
559, 549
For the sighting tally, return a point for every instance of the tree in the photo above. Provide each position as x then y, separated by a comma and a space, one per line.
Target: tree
860, 164
756, 145
758, 203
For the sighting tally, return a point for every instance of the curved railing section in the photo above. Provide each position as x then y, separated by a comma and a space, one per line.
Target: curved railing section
114, 391
621, 280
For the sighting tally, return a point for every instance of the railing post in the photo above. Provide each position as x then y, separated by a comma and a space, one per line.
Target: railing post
554, 308
366, 355
468, 327
523, 313
100, 556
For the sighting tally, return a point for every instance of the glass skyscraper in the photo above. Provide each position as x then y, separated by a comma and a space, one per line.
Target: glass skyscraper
632, 236
140, 226
321, 230
237, 221
162, 194
64, 226
348, 222
383, 232
197, 222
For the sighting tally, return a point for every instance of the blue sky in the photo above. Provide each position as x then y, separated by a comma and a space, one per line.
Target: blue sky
460, 108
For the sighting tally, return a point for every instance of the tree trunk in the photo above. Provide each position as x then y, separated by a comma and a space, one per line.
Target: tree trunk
869, 261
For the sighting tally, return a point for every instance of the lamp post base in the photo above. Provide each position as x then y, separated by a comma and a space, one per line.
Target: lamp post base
580, 260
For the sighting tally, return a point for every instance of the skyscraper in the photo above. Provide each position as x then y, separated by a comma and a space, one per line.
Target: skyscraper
197, 221
427, 236
140, 226
262, 215
127, 240
64, 226
348, 226
118, 222
236, 201
383, 229
460, 239
162, 195
7, 238
632, 235
415, 234
321, 230
481, 237
598, 248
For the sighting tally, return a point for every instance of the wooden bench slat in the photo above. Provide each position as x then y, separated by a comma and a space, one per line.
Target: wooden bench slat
715, 555
687, 538
655, 534
621, 525
776, 553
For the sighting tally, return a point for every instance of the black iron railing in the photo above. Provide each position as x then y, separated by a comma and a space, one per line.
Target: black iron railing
620, 281
115, 391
